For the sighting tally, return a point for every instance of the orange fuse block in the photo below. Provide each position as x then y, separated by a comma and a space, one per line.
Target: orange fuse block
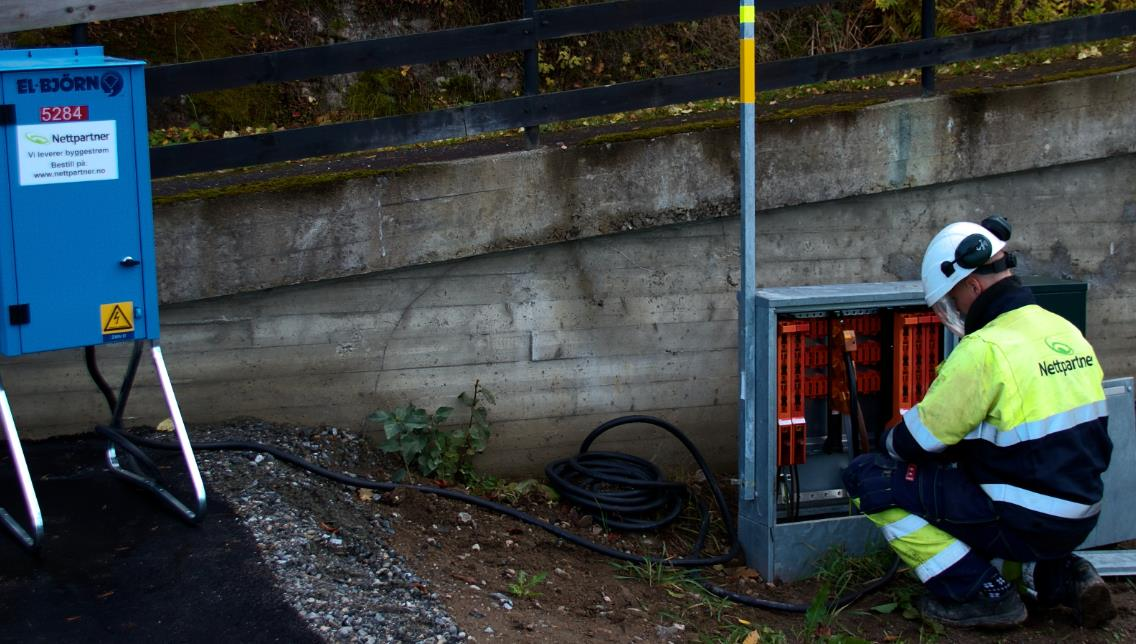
918, 341
791, 430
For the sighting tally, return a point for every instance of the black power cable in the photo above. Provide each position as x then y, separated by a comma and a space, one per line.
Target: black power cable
853, 406
633, 486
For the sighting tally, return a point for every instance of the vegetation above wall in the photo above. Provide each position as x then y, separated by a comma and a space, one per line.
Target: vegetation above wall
567, 63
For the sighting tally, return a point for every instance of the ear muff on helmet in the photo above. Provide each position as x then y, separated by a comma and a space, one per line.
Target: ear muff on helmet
975, 250
998, 226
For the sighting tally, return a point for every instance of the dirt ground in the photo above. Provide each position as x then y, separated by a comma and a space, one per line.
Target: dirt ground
472, 557
586, 595
482, 565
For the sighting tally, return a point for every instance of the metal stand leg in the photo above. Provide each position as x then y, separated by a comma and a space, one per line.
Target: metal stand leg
197, 512
34, 538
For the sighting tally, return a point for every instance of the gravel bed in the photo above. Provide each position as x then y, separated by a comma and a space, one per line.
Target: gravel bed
323, 541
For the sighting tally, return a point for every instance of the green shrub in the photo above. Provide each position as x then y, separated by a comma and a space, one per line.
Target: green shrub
430, 447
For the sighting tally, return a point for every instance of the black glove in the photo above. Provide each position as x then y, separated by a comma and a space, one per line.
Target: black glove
869, 477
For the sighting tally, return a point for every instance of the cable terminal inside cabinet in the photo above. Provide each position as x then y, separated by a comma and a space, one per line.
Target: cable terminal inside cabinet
843, 377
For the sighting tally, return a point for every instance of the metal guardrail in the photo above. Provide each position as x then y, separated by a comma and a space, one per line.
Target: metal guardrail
533, 108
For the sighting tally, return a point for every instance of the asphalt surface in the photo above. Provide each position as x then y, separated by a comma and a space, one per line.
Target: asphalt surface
118, 566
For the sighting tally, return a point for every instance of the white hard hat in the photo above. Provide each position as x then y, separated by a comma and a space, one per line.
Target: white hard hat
956, 252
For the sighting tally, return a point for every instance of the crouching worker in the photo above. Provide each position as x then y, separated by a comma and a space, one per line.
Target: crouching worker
1002, 459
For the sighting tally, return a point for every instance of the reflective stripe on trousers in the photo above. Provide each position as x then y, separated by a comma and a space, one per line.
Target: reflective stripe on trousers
927, 549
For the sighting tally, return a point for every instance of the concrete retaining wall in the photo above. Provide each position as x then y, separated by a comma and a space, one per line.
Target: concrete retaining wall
587, 283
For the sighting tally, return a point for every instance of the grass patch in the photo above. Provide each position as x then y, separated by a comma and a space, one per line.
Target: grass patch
839, 573
679, 583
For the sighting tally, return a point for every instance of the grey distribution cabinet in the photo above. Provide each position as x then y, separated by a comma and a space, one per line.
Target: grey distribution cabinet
792, 506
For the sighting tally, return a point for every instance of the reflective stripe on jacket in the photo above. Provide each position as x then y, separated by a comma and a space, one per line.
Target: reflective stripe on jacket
1020, 407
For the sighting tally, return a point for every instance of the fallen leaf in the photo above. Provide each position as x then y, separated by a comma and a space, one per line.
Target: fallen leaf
886, 609
1089, 52
747, 573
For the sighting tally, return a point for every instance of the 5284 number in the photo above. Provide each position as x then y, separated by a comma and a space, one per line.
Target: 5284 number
58, 113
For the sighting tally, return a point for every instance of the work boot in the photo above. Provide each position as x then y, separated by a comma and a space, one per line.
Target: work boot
1003, 612
1087, 594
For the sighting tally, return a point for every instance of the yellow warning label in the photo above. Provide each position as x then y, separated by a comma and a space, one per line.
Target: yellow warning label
117, 318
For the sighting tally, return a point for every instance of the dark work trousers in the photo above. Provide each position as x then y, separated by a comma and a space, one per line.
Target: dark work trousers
947, 499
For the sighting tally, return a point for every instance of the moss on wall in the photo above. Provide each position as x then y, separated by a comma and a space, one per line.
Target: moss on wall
699, 126
279, 184
1048, 78
384, 92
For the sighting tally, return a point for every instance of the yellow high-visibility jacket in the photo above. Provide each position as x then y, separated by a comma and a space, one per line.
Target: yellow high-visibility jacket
1019, 406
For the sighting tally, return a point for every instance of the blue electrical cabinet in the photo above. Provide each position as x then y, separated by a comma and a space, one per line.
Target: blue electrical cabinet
77, 242
76, 226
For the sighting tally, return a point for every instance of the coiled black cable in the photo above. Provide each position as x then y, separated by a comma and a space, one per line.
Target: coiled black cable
623, 491
632, 504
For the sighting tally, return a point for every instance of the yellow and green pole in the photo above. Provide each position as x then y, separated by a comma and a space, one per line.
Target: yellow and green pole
748, 293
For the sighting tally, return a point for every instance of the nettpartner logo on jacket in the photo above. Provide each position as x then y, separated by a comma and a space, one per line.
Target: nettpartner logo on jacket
1063, 366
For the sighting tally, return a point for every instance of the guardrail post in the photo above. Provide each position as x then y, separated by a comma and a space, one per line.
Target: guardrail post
532, 71
747, 294
927, 22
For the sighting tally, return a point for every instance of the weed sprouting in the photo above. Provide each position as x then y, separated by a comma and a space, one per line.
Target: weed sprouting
653, 573
525, 585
